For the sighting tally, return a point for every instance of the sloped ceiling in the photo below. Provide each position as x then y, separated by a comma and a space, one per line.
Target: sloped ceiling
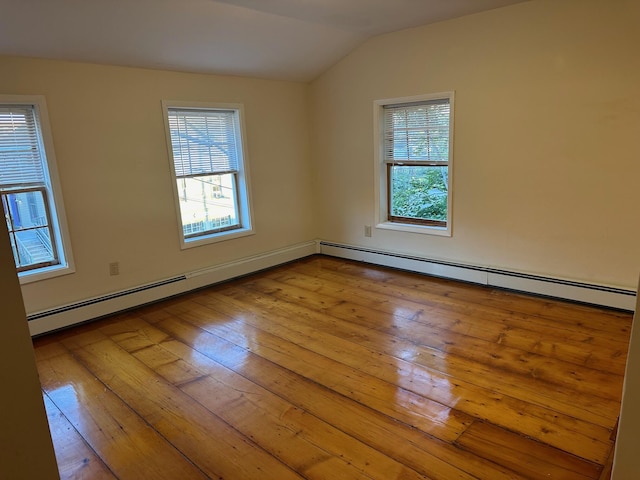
283, 39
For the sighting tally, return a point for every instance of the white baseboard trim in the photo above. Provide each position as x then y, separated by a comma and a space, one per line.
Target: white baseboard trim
72, 314
599, 295
90, 309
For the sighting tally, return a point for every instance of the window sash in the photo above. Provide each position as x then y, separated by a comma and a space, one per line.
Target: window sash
21, 157
408, 219
204, 141
188, 230
417, 132
23, 171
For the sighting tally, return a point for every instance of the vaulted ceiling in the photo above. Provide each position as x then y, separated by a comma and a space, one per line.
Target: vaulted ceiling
284, 39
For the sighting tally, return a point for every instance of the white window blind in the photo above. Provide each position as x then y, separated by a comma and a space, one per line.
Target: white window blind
417, 132
21, 159
203, 142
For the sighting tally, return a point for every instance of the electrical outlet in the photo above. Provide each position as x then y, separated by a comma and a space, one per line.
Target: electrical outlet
114, 268
367, 230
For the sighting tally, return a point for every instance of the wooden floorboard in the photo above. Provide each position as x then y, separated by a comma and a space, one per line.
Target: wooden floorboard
331, 369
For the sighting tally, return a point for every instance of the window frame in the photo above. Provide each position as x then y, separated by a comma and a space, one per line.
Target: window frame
382, 171
53, 199
242, 184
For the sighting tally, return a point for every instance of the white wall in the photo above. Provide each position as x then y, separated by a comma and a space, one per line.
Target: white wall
110, 146
547, 115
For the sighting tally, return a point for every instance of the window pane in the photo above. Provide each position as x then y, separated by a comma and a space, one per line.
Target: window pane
27, 209
208, 203
419, 192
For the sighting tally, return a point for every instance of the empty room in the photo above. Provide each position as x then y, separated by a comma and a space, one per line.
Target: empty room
320, 239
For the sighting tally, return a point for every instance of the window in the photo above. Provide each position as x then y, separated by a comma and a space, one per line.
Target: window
414, 163
210, 171
29, 190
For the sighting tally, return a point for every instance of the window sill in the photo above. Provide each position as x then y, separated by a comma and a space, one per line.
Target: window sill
420, 229
44, 273
215, 238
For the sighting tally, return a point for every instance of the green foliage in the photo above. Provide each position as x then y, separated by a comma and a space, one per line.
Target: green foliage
419, 192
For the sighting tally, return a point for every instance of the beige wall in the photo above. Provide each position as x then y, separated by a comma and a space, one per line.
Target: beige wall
26, 451
110, 145
546, 149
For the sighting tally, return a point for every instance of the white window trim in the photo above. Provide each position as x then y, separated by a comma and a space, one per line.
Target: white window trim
58, 216
245, 204
380, 172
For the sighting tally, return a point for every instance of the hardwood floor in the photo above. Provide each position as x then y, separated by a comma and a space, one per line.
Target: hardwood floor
330, 369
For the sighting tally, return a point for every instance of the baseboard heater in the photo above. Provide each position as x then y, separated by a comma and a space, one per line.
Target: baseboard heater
91, 309
599, 295
75, 313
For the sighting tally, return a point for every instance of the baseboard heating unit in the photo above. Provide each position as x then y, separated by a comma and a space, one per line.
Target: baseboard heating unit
599, 295
90, 309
